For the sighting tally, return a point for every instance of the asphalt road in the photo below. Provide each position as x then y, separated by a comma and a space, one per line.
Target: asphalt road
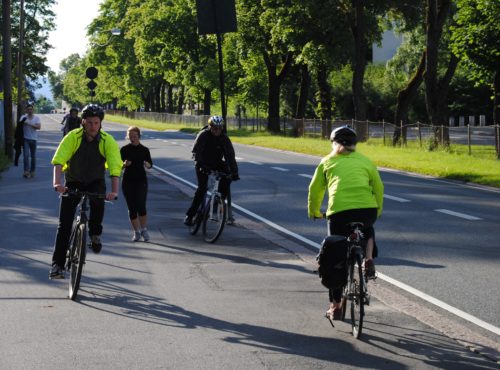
438, 237
179, 303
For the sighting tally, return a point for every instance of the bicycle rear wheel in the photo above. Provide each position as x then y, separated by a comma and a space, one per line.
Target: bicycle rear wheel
197, 219
215, 219
356, 288
77, 259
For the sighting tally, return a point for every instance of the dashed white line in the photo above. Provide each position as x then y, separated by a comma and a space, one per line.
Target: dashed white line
280, 169
239, 158
257, 163
305, 175
397, 199
458, 214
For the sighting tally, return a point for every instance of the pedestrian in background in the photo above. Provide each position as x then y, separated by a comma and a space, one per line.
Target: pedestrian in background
31, 125
136, 158
71, 121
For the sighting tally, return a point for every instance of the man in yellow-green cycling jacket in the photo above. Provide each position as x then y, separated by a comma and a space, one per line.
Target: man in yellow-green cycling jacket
83, 155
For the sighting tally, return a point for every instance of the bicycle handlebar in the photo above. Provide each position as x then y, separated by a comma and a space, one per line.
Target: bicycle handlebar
74, 193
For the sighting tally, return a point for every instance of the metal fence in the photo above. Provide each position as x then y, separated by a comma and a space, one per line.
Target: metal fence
417, 134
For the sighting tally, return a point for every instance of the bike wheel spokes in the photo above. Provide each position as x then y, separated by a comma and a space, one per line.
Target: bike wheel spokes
214, 220
77, 260
356, 288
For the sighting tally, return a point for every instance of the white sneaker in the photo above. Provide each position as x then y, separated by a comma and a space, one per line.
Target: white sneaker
145, 235
137, 236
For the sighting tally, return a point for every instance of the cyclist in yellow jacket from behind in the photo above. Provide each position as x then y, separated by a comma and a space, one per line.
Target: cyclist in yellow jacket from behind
355, 194
83, 155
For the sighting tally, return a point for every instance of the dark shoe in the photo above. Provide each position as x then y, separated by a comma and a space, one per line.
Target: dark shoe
188, 221
371, 274
26, 174
95, 245
56, 272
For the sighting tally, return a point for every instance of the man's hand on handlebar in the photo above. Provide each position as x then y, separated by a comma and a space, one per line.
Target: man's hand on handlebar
112, 196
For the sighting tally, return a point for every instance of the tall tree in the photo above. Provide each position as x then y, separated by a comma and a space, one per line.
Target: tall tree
476, 40
436, 87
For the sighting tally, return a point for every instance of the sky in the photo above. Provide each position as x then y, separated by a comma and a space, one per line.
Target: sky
72, 18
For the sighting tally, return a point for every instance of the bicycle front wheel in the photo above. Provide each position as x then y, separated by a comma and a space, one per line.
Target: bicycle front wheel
77, 259
215, 219
356, 287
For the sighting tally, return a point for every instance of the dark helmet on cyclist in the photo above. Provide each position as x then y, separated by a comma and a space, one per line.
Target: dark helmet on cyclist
344, 135
92, 110
73, 109
216, 121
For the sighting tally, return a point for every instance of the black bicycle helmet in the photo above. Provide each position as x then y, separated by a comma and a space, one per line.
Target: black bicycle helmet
73, 110
92, 110
344, 135
216, 121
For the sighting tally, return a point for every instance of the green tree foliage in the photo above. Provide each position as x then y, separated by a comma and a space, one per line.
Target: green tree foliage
44, 105
476, 40
39, 21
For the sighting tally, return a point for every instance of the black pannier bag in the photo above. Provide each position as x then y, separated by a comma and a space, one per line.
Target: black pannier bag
332, 261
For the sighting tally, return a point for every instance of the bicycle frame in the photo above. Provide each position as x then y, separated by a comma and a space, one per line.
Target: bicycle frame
77, 251
212, 212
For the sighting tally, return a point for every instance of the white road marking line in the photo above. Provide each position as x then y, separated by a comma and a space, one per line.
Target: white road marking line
165, 141
435, 301
257, 163
280, 169
305, 175
458, 214
397, 199
239, 158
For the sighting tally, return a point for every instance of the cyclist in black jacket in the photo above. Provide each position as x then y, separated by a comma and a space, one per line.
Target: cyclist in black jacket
212, 150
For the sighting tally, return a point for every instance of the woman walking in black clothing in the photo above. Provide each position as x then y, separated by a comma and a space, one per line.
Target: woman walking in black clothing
136, 157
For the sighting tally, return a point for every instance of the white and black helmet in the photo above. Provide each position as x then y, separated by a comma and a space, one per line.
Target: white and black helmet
216, 121
344, 135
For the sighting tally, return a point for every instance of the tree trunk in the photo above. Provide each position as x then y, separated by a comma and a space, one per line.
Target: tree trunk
324, 100
207, 101
162, 96
358, 27
180, 100
157, 97
496, 98
405, 97
436, 92
275, 81
170, 98
7, 79
305, 83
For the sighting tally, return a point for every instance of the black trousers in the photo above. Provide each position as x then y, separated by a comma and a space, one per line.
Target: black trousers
202, 189
338, 224
135, 194
67, 209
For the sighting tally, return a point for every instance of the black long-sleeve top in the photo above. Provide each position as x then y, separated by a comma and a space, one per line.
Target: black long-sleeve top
212, 151
136, 154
